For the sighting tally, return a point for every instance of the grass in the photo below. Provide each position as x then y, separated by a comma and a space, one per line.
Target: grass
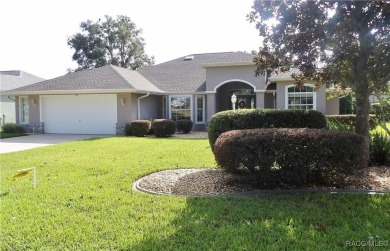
84, 201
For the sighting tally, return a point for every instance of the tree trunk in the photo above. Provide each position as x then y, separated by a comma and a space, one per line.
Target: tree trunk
362, 113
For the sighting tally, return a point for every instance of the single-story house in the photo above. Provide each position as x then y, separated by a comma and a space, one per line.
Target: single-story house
103, 100
10, 80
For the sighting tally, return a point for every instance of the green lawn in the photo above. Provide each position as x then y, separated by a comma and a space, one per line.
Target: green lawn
84, 201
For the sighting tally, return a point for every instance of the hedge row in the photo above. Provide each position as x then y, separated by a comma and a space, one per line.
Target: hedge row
159, 127
12, 128
293, 156
262, 118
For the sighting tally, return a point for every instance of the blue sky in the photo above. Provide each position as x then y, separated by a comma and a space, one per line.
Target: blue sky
34, 33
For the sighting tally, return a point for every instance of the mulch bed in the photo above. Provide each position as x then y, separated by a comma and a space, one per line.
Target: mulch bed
199, 182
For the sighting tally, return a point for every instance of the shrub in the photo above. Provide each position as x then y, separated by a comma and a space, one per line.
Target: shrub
12, 128
347, 122
347, 105
151, 132
127, 129
340, 125
139, 128
293, 156
379, 149
262, 118
164, 127
184, 125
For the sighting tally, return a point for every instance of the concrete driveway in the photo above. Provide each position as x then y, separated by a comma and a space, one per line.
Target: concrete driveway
33, 141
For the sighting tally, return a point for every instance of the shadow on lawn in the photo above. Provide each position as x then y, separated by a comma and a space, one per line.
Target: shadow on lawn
309, 222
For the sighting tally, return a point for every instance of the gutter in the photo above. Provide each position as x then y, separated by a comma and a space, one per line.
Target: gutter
139, 104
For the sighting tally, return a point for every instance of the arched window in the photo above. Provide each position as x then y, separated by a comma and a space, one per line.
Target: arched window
301, 98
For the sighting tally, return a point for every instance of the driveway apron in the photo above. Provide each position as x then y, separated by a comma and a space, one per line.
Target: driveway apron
39, 140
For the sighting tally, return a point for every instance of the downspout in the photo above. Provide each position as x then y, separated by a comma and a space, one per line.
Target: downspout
139, 104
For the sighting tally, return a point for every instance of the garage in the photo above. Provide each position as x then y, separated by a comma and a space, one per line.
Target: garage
79, 113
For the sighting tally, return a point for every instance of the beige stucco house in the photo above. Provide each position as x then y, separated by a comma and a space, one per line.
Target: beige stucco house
102, 100
10, 80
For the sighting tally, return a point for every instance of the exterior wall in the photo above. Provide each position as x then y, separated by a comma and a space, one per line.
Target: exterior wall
333, 106
124, 111
34, 109
150, 107
281, 97
17, 112
321, 99
269, 101
210, 105
218, 75
7, 109
260, 99
134, 105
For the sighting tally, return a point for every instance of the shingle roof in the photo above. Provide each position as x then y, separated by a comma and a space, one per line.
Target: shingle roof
180, 75
232, 58
102, 78
280, 76
15, 79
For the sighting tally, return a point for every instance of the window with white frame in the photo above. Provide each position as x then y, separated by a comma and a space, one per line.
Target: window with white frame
24, 110
180, 107
200, 107
301, 98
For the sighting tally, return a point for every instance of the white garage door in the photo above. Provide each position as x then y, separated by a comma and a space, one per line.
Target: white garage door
79, 114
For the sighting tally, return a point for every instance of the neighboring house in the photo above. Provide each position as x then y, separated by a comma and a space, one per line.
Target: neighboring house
102, 100
10, 80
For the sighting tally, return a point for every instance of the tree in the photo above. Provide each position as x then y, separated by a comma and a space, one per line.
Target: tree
112, 41
343, 42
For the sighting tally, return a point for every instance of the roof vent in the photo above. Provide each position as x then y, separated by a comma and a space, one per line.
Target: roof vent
189, 57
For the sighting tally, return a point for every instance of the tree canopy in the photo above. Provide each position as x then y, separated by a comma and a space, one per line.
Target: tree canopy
346, 43
111, 41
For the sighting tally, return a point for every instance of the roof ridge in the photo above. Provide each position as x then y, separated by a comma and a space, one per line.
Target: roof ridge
120, 75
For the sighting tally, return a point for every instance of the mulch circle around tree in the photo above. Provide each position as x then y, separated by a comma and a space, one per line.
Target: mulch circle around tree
209, 182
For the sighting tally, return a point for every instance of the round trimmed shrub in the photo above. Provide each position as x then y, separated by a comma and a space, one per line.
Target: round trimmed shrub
127, 129
164, 127
293, 156
140, 128
184, 125
262, 118
12, 128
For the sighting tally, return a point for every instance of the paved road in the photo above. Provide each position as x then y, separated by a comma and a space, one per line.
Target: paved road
33, 141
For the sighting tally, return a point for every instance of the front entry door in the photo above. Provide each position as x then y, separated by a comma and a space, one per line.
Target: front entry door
246, 102
246, 99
